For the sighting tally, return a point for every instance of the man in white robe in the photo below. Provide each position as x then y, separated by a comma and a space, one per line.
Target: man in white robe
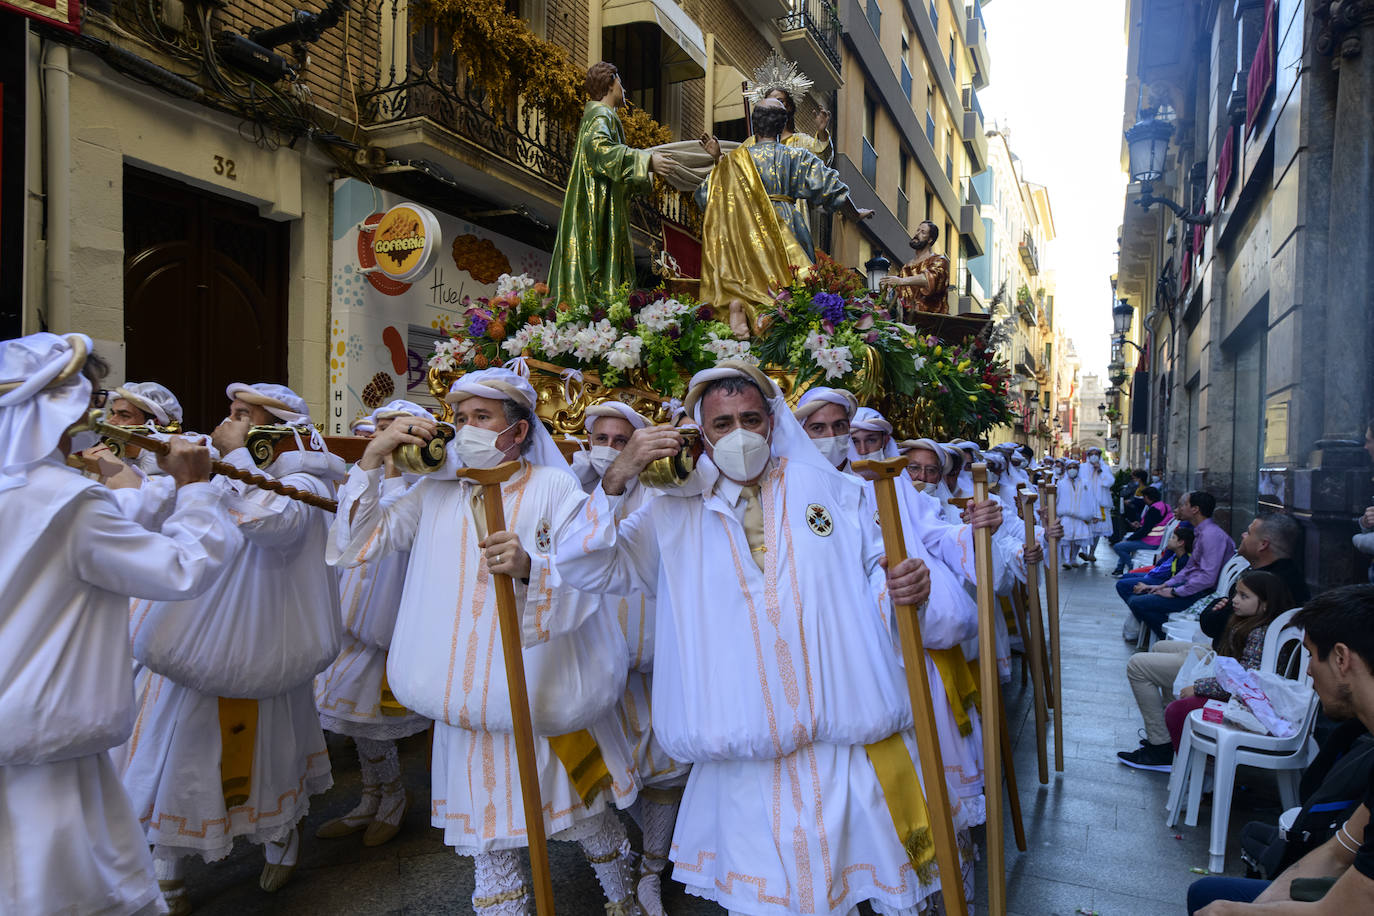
609, 426
1078, 508
1098, 476
825, 414
352, 694
69, 841
446, 659
769, 581
227, 742
134, 404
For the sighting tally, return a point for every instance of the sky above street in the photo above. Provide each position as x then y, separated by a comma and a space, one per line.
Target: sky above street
1058, 80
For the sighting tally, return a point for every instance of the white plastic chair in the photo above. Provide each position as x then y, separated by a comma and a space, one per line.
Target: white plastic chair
1183, 625
1233, 747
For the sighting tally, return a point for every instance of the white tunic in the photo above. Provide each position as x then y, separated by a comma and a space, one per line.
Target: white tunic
348, 693
769, 682
268, 625
69, 842
1099, 481
1077, 507
446, 662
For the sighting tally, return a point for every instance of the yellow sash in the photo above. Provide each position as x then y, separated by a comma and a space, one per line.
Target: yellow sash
1008, 612
961, 688
745, 249
905, 801
580, 756
387, 703
238, 735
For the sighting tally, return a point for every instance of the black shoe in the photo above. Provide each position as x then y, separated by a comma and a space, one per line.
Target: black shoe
1118, 573
1157, 757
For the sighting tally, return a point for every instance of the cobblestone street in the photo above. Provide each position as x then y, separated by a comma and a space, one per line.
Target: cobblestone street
1096, 839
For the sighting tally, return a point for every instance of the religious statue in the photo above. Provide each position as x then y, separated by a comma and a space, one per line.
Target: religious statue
592, 254
922, 283
780, 79
753, 233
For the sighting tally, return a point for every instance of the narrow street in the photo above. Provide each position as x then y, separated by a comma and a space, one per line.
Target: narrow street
1096, 839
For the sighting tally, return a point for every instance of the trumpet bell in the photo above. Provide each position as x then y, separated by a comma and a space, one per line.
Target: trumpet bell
673, 471
426, 459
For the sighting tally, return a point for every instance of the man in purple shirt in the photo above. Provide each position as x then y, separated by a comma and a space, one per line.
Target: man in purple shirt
1212, 547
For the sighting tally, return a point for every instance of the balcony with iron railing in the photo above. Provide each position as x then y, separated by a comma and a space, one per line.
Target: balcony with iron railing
1030, 257
424, 106
976, 37
810, 36
972, 296
974, 131
970, 218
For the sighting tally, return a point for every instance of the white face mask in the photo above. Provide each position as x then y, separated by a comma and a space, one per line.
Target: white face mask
834, 448
476, 447
741, 454
926, 487
1094, 460
601, 457
1072, 472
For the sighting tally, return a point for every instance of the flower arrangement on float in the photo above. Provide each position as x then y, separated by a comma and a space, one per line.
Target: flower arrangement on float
825, 328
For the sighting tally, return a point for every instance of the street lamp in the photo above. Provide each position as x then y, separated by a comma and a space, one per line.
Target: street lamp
1148, 144
876, 267
1122, 314
1102, 411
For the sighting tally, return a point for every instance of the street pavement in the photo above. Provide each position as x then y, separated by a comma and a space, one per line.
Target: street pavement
1096, 840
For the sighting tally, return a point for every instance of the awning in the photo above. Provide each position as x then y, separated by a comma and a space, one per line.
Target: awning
684, 56
728, 98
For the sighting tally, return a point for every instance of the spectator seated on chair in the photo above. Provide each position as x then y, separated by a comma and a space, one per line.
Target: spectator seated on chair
1269, 543
1338, 875
1146, 530
1212, 547
1259, 598
1169, 564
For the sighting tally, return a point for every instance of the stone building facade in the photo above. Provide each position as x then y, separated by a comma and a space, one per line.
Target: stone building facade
1256, 326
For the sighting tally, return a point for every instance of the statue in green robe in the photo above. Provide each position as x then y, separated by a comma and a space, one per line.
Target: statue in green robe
593, 254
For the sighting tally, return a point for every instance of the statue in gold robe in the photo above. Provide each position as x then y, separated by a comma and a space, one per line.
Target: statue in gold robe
593, 254
753, 232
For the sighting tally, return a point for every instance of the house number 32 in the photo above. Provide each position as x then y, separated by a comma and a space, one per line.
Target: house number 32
225, 167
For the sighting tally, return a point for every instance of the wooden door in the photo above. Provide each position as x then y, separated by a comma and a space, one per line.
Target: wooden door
204, 293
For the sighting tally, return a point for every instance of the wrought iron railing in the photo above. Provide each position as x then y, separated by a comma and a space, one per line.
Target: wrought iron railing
820, 19
425, 78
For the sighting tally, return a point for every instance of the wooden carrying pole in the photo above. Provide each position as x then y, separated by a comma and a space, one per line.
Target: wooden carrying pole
990, 689
511, 648
918, 686
1035, 648
1052, 599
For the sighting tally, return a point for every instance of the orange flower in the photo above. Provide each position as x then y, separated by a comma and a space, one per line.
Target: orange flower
562, 306
496, 330
480, 361
541, 288
534, 319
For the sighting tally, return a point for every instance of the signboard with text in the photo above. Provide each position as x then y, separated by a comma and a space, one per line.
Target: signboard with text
401, 272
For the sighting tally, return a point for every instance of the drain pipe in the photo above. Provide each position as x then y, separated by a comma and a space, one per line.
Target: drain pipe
57, 78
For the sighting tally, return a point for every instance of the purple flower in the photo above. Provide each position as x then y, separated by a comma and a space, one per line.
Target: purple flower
630, 324
871, 337
673, 332
864, 323
830, 305
598, 314
478, 326
705, 313
638, 299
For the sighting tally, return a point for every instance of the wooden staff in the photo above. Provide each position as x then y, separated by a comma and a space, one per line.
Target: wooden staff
1052, 599
1018, 827
511, 647
1036, 637
990, 689
918, 686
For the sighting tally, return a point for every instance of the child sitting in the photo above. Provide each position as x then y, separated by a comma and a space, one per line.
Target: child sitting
1175, 557
1259, 598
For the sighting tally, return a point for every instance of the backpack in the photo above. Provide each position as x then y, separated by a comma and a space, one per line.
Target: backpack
1332, 788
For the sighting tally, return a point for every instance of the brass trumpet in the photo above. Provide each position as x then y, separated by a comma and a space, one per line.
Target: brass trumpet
673, 471
266, 443
427, 458
119, 446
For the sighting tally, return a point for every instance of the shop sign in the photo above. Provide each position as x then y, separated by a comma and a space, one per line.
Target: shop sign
403, 244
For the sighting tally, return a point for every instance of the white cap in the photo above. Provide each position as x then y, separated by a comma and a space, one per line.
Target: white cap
816, 398
152, 398
278, 400
612, 408
42, 393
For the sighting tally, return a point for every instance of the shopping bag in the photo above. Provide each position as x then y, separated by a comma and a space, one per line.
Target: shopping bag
1198, 663
1276, 705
